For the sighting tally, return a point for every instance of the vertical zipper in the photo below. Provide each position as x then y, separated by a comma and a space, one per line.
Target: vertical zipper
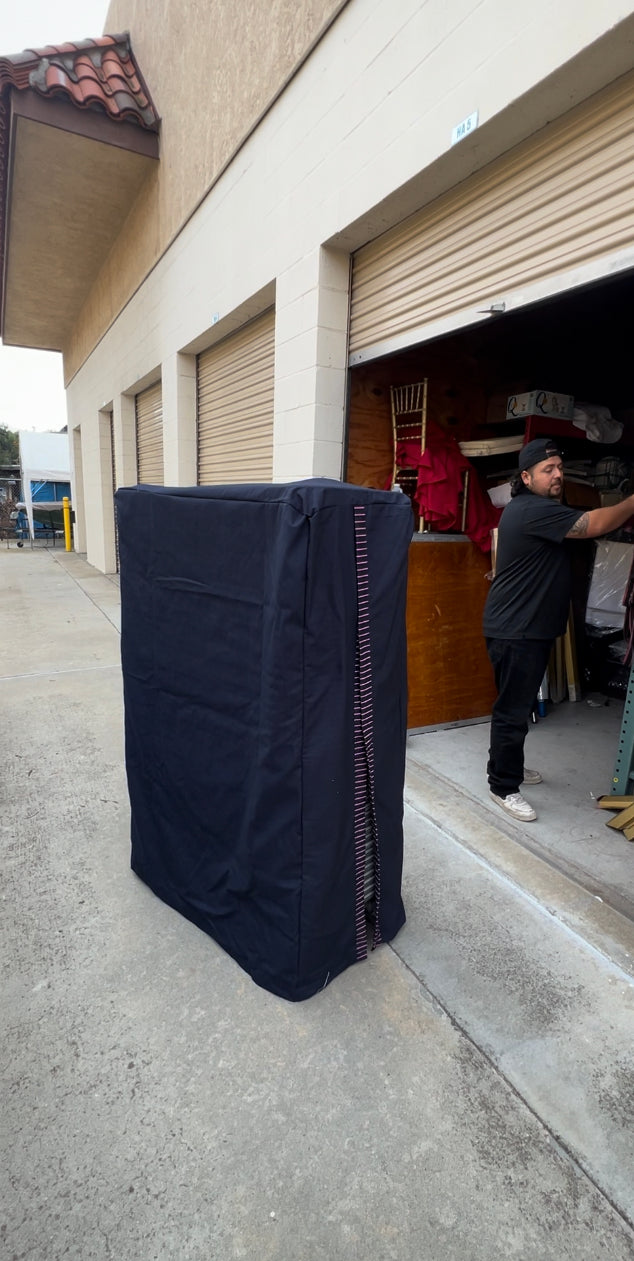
366, 841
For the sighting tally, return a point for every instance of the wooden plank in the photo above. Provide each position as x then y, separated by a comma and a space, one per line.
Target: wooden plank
614, 803
628, 832
570, 655
449, 675
370, 453
556, 675
622, 818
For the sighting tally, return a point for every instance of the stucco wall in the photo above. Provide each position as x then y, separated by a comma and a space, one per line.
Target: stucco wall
359, 138
211, 69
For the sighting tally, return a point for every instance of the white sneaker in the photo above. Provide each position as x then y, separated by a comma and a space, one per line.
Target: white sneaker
532, 777
516, 805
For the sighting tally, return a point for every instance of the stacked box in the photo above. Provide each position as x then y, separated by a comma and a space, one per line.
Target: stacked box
540, 403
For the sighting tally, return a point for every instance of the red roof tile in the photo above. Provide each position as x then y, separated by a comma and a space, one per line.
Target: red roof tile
92, 74
99, 75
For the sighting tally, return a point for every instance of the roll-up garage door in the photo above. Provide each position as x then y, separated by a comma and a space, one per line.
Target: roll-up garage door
113, 462
235, 406
149, 435
562, 199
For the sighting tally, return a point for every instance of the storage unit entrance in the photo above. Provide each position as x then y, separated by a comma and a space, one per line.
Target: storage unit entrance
578, 346
499, 287
149, 434
234, 381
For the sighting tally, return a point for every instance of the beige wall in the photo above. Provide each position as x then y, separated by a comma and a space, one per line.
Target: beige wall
212, 69
360, 138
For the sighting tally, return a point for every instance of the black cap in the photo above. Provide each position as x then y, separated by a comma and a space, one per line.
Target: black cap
536, 451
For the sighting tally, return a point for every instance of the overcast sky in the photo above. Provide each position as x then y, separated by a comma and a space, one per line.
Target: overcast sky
31, 381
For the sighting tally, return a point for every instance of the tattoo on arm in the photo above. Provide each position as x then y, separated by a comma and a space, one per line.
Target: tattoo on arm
580, 528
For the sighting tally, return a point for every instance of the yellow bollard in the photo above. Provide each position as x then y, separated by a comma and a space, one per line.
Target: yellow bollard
67, 535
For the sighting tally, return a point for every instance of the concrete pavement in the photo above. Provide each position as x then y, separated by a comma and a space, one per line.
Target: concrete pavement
465, 1094
575, 747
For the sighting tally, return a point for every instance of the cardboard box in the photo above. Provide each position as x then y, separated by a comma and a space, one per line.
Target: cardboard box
540, 403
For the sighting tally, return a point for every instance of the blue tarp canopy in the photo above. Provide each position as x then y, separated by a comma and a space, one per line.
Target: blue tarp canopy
49, 492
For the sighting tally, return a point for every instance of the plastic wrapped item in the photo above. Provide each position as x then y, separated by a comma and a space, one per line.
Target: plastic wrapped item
597, 422
610, 573
542, 696
611, 473
616, 651
616, 673
500, 496
597, 664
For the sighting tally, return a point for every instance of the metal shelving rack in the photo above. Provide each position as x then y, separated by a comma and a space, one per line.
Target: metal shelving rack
623, 778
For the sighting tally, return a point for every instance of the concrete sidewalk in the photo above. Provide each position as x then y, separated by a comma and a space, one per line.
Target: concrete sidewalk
467, 1094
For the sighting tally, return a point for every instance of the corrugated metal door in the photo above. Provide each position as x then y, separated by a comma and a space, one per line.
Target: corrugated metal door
149, 435
235, 406
561, 199
113, 461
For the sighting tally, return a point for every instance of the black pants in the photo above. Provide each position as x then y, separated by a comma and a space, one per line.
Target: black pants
519, 666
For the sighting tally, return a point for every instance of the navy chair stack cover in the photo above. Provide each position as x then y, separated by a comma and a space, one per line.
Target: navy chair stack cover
264, 664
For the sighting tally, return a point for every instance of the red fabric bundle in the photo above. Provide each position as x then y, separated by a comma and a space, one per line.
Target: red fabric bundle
440, 479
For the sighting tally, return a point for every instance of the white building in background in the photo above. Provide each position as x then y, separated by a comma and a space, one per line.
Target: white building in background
44, 471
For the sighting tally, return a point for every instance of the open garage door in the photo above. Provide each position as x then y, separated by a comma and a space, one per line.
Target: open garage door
560, 205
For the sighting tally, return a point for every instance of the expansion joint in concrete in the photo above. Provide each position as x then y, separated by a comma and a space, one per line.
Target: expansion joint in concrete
554, 1138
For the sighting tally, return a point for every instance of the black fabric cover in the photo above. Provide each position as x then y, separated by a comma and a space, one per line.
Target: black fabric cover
238, 641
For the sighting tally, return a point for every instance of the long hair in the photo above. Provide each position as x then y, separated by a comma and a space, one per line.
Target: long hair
518, 487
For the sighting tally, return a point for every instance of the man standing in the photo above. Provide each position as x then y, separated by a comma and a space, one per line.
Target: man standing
527, 606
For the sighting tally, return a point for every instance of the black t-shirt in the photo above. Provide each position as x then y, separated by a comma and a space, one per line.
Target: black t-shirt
530, 594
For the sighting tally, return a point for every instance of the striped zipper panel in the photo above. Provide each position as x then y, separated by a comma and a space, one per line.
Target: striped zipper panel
365, 824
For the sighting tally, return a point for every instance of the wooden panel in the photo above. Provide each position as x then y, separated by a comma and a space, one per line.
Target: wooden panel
456, 400
370, 456
450, 678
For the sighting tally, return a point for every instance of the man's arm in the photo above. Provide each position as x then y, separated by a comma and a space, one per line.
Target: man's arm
602, 520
